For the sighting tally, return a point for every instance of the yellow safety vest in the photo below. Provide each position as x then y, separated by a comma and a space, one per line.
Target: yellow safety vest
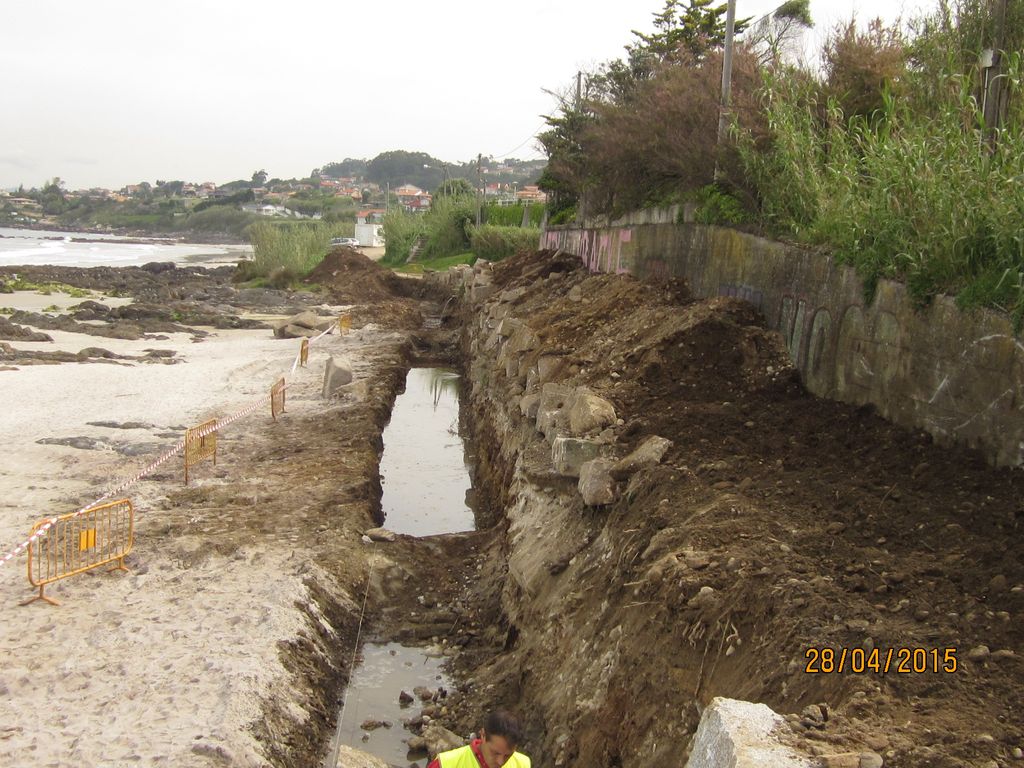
463, 757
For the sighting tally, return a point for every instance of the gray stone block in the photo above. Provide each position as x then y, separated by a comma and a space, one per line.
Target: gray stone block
528, 405
337, 373
569, 454
648, 454
596, 485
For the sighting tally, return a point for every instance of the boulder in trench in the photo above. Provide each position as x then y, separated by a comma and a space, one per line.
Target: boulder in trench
440, 739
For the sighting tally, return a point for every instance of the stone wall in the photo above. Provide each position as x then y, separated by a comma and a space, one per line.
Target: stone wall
956, 374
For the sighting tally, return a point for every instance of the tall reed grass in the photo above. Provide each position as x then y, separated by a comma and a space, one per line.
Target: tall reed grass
918, 195
288, 251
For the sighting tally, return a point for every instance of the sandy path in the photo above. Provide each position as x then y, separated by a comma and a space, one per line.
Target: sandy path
168, 664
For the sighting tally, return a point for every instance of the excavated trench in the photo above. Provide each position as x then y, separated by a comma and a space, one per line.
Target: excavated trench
725, 526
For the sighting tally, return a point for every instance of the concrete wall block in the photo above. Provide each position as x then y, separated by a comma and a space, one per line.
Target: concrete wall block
739, 734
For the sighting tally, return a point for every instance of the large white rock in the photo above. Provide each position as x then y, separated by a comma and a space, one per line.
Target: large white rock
356, 758
740, 734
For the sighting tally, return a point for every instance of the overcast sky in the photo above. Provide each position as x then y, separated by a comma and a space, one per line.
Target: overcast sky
111, 92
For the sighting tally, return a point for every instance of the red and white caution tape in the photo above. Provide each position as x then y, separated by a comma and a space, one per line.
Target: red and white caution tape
162, 459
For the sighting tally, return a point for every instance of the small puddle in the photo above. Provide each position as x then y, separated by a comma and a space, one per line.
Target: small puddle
385, 671
424, 473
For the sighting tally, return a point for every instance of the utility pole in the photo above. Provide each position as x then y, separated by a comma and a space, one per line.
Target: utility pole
723, 109
479, 188
579, 89
994, 81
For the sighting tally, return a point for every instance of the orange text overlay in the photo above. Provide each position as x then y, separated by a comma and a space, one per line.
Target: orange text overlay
903, 661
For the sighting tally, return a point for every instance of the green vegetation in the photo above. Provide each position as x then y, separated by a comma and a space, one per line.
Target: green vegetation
436, 265
900, 154
512, 215
447, 231
284, 253
906, 179
12, 284
442, 231
495, 243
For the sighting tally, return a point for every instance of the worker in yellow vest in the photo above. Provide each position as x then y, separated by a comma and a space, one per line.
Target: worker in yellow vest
496, 747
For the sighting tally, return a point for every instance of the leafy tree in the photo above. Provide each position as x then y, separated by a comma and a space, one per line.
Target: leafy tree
691, 31
346, 168
778, 33
259, 178
399, 167
455, 188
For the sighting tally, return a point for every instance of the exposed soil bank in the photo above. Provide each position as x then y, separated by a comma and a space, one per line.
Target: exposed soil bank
776, 523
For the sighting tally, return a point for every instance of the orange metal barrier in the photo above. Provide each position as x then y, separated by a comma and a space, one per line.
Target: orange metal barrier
200, 443
304, 352
277, 398
344, 323
79, 542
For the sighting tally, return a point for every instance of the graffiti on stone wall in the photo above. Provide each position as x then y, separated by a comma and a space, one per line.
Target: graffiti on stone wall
625, 236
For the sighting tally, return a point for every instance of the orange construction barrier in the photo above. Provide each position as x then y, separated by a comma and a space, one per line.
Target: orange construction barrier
79, 542
344, 323
200, 443
277, 398
304, 352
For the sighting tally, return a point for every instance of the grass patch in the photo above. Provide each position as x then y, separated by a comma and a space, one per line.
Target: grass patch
436, 265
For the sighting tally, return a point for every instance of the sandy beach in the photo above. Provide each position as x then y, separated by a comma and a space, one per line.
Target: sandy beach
172, 662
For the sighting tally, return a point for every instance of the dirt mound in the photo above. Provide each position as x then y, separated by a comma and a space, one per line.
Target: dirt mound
351, 278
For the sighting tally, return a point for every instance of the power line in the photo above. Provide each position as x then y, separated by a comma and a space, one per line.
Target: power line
529, 138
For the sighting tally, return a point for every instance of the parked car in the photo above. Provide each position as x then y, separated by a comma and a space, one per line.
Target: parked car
351, 242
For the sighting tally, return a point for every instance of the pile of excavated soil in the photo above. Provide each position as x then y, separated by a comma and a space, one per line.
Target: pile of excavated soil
352, 278
777, 524
382, 296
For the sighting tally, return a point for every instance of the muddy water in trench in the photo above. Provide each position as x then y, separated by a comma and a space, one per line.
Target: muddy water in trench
425, 479
423, 469
385, 671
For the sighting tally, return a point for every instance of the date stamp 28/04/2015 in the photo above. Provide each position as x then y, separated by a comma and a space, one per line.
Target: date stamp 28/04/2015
903, 661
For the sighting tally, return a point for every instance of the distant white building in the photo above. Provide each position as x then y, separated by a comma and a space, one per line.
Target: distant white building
370, 227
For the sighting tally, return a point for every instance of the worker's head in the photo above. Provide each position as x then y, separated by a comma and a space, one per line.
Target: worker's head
499, 737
